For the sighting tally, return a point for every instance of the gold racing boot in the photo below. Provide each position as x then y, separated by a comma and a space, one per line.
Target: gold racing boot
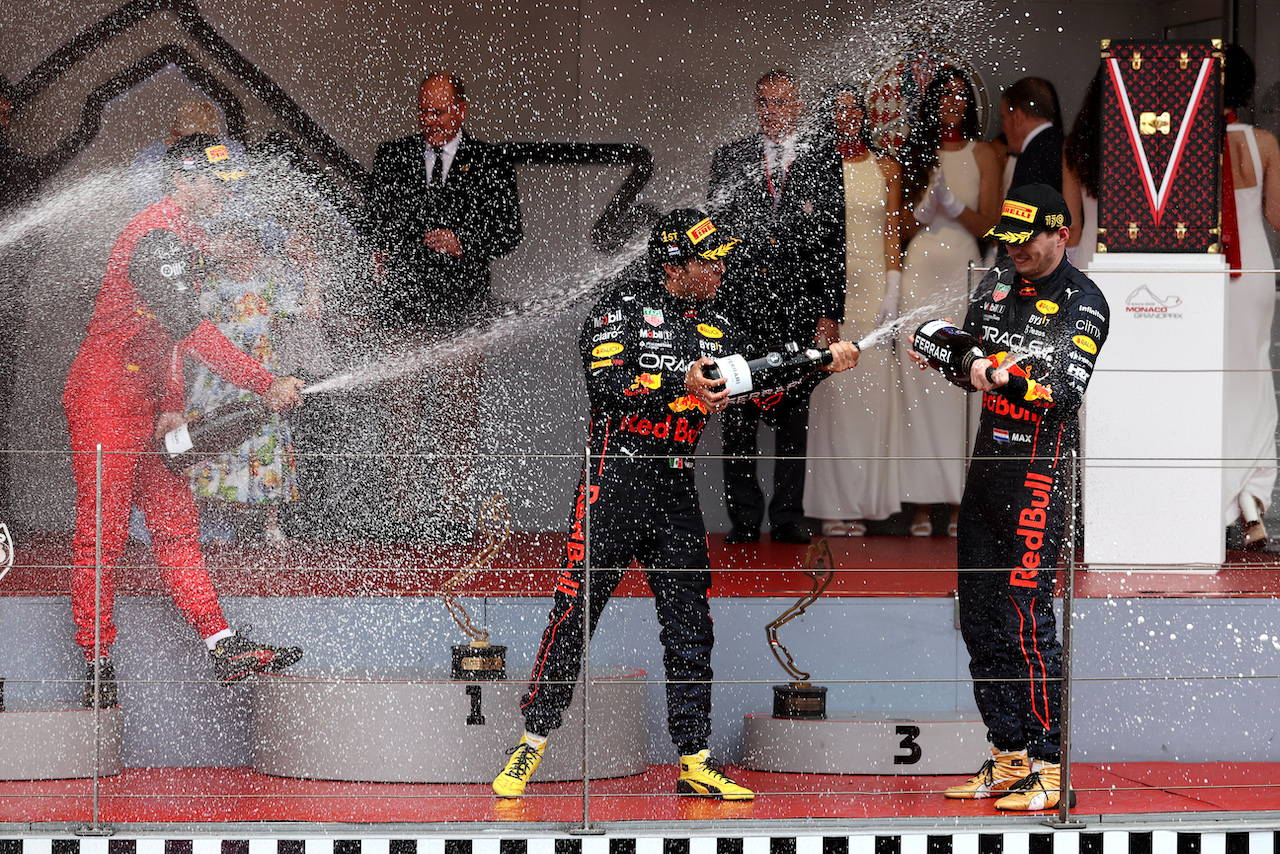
996, 775
1039, 790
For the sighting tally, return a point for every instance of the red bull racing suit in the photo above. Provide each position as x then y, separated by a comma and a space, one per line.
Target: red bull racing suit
637, 346
1013, 513
128, 370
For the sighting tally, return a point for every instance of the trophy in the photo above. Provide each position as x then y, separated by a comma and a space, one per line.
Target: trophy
478, 659
800, 699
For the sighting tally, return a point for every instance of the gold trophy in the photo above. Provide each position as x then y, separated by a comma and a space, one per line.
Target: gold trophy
478, 659
800, 699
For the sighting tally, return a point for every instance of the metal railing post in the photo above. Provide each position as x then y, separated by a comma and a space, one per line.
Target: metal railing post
586, 645
1068, 604
97, 633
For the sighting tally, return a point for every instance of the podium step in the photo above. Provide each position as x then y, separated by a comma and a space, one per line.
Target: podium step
59, 744
419, 726
866, 743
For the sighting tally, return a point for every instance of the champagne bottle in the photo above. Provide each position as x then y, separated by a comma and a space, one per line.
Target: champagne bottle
776, 368
948, 348
215, 432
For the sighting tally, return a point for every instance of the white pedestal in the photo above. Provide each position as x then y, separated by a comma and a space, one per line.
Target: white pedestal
418, 726
1153, 437
866, 743
60, 744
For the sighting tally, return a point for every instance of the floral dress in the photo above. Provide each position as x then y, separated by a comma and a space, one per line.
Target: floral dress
250, 313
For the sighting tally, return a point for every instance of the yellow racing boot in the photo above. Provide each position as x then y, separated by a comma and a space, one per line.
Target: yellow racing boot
520, 767
701, 775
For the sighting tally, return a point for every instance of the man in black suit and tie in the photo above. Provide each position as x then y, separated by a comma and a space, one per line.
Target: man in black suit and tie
442, 205
1029, 111
780, 193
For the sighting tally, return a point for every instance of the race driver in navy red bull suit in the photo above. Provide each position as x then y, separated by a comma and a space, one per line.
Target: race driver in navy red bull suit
644, 349
1037, 309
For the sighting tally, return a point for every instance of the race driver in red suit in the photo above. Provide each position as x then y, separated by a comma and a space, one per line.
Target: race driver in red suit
125, 390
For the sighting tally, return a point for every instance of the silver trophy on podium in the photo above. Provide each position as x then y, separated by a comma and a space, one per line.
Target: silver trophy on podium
478, 659
800, 699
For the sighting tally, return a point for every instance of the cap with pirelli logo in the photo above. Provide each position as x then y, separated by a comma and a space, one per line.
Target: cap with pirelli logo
687, 233
1029, 210
203, 154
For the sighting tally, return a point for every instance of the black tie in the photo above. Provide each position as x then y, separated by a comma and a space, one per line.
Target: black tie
437, 167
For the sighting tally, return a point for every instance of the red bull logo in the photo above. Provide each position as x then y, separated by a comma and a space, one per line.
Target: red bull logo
681, 431
576, 548
998, 405
1015, 370
1041, 395
1031, 525
643, 384
684, 404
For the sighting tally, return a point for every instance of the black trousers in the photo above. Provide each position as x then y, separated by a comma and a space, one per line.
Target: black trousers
1010, 531
744, 499
641, 513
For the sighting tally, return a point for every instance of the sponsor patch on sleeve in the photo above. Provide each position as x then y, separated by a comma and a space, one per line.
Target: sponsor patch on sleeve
1085, 343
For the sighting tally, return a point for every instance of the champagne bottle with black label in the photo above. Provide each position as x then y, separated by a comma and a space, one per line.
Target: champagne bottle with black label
215, 432
948, 348
774, 369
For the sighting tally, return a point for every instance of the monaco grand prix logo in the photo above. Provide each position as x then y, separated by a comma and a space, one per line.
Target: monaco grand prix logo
1143, 304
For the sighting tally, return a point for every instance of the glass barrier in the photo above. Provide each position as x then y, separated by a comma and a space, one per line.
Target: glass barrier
840, 685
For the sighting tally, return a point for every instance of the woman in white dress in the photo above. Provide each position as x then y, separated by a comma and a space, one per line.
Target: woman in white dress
1248, 389
957, 180
852, 471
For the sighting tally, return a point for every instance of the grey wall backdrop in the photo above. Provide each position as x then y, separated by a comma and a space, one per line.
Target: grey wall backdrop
674, 77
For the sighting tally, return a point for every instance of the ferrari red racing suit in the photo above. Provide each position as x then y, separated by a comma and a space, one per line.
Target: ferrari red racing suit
128, 370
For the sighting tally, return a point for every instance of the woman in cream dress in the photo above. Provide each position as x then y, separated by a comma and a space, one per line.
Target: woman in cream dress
959, 199
1249, 391
852, 470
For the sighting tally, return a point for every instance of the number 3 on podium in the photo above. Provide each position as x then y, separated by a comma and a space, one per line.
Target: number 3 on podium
910, 733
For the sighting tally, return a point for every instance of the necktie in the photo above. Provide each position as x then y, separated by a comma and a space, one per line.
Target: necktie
437, 167
775, 172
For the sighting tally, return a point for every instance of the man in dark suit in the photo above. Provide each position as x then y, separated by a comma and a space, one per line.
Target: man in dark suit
1029, 110
442, 205
780, 193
